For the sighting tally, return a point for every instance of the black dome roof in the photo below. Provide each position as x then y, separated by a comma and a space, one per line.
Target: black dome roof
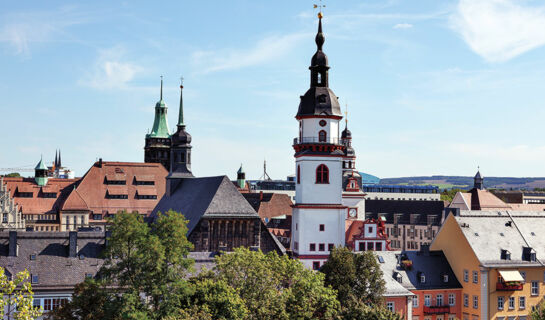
319, 59
180, 137
319, 101
346, 133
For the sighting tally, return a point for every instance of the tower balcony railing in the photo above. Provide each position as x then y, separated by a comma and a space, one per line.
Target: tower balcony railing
313, 140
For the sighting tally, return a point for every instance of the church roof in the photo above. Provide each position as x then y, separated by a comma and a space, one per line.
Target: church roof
212, 197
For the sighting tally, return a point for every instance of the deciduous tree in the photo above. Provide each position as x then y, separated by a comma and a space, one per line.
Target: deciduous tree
16, 300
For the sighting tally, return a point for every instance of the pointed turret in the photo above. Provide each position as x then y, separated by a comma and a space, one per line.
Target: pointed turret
319, 99
160, 125
59, 162
241, 178
478, 181
40, 173
55, 164
180, 152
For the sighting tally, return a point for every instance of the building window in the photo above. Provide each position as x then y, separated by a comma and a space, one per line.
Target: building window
466, 300
427, 300
312, 247
298, 174
34, 278
475, 277
36, 303
466, 276
97, 217
296, 245
321, 247
378, 246
535, 288
522, 302
370, 246
316, 265
451, 299
445, 278
511, 303
439, 299
322, 227
475, 302
422, 278
415, 302
390, 306
322, 174
330, 247
500, 303
322, 136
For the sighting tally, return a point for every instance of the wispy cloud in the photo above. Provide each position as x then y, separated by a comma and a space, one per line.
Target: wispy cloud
268, 49
21, 30
499, 30
403, 26
111, 70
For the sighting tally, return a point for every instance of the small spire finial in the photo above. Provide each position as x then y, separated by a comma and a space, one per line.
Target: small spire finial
181, 111
161, 88
320, 39
346, 114
320, 14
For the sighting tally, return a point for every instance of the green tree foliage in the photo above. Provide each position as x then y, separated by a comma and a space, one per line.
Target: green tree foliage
276, 287
448, 194
538, 312
147, 263
17, 292
216, 298
356, 277
362, 311
13, 175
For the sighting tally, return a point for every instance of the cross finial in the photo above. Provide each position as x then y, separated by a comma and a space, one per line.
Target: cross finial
321, 5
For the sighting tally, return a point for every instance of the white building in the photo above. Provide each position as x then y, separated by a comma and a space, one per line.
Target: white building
319, 215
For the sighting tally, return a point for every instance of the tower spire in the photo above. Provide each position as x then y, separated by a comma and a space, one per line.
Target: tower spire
181, 114
59, 160
346, 115
161, 96
56, 163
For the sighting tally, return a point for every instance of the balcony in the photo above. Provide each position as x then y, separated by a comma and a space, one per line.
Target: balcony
313, 140
508, 286
436, 309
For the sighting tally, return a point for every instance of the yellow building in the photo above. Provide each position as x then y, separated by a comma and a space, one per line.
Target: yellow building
498, 257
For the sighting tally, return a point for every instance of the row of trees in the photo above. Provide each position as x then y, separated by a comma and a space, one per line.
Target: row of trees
147, 275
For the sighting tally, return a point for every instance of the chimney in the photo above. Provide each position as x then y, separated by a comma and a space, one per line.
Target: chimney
100, 162
73, 244
13, 247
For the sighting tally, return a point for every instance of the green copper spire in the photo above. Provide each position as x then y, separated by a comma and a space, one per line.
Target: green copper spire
241, 178
160, 125
181, 114
40, 173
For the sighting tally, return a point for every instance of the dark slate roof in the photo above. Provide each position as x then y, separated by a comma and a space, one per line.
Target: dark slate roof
432, 264
420, 210
212, 197
55, 269
319, 101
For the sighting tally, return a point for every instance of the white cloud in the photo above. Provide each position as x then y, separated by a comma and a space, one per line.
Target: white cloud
499, 30
110, 71
21, 30
266, 50
403, 26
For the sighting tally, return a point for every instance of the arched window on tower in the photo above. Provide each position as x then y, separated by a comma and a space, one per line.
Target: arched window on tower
322, 174
322, 136
298, 174
319, 76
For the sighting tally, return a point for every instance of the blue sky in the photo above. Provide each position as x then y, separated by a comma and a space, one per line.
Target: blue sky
432, 87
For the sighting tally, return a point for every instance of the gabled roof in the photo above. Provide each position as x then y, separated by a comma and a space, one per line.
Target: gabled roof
212, 197
433, 265
489, 232
268, 204
37, 204
75, 202
54, 268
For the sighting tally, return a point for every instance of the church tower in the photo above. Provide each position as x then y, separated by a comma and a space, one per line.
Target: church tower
318, 213
353, 196
180, 152
157, 148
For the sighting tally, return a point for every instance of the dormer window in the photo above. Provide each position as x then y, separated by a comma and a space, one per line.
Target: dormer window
505, 255
445, 278
422, 278
33, 256
322, 98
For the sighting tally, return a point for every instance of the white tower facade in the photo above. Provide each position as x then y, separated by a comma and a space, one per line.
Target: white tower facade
319, 216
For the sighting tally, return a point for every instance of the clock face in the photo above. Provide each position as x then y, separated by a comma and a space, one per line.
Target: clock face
352, 212
323, 123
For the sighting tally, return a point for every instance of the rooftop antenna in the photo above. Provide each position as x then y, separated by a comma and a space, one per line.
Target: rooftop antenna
265, 175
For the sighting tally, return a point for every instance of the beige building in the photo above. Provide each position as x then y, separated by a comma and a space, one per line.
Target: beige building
12, 219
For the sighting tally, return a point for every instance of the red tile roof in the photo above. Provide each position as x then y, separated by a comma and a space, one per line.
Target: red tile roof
94, 185
269, 205
38, 204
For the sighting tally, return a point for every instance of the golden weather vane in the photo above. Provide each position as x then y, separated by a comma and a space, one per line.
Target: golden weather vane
320, 14
346, 113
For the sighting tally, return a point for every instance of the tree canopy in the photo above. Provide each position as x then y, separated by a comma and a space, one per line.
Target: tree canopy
17, 292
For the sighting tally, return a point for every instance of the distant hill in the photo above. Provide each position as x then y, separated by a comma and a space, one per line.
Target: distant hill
448, 182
